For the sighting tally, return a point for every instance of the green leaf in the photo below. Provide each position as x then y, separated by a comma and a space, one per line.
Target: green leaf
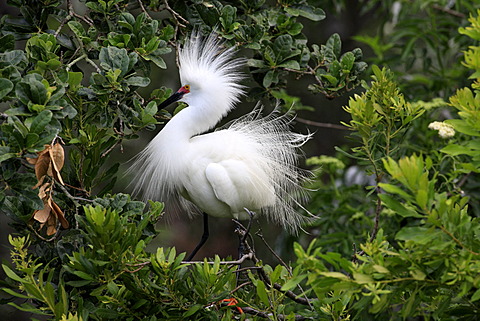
394, 189
475, 296
38, 92
191, 311
12, 275
293, 282
138, 81
7, 42
39, 122
83, 275
309, 12
347, 61
262, 293
333, 46
16, 294
5, 153
418, 234
104, 313
362, 278
156, 60
256, 63
74, 79
454, 150
335, 275
268, 79
113, 288
49, 293
151, 108
6, 86
31, 139
291, 64
26, 307
115, 58
79, 284
397, 207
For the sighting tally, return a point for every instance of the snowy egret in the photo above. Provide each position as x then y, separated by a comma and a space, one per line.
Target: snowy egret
250, 163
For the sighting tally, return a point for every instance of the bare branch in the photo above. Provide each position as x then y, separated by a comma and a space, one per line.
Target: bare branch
260, 235
322, 125
448, 10
140, 3
175, 15
237, 262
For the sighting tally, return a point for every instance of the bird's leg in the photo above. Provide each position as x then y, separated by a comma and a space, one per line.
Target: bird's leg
204, 238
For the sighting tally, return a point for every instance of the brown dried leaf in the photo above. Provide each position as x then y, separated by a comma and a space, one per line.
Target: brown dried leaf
60, 215
44, 189
40, 182
51, 225
57, 156
31, 161
43, 163
42, 215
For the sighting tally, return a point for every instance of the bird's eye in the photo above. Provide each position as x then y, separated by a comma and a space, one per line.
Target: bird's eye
187, 87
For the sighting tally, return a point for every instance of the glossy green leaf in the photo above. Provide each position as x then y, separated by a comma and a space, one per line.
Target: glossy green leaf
262, 293
307, 11
398, 207
138, 81
6, 87
12, 275
40, 121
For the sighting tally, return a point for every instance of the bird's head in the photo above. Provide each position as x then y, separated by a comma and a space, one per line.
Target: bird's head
209, 75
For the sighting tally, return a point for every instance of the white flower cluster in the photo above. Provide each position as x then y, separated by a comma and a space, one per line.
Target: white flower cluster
444, 130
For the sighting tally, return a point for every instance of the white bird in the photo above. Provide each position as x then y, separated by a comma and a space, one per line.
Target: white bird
249, 164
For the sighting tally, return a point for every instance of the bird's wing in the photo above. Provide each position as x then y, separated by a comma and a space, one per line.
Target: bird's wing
235, 185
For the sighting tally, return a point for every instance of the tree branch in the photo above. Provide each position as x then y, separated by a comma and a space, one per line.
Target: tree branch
322, 125
140, 3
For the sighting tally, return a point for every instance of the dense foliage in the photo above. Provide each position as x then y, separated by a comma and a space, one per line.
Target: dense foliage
397, 233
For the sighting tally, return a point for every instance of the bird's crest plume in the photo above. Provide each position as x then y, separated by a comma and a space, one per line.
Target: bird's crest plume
211, 69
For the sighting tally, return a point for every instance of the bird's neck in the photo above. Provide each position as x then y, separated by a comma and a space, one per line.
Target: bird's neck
192, 121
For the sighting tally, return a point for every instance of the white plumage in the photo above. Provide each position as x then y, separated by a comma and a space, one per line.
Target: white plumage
250, 163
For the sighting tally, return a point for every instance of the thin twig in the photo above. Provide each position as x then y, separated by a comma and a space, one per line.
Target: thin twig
53, 238
313, 72
140, 266
73, 62
237, 262
322, 125
71, 12
118, 142
143, 8
240, 286
73, 198
444, 230
310, 72
175, 15
378, 210
448, 10
260, 235
93, 64
67, 18
247, 268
